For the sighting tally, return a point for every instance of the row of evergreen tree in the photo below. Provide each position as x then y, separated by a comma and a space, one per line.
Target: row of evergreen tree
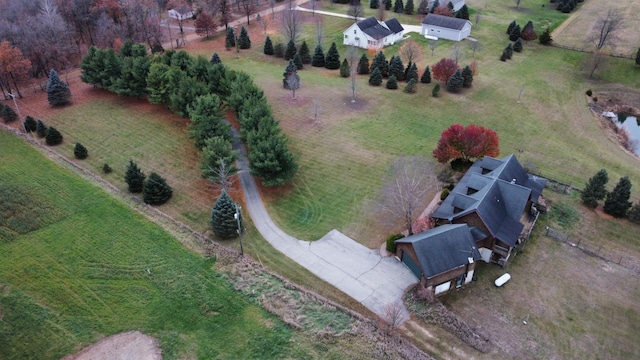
302, 56
616, 201
154, 189
200, 89
423, 8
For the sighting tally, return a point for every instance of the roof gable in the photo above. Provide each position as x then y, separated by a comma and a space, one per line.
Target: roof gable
445, 21
394, 25
379, 30
444, 248
496, 189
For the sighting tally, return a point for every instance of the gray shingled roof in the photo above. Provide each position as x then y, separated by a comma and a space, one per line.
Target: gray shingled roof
444, 21
376, 30
394, 25
445, 247
498, 191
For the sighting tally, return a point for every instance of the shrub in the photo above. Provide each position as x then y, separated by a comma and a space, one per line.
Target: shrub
53, 137
411, 86
155, 190
517, 46
30, 124
436, 90
595, 99
426, 76
392, 83
344, 69
107, 169
391, 245
443, 195
375, 79
565, 215
545, 38
80, 152
589, 93
134, 177
8, 114
41, 129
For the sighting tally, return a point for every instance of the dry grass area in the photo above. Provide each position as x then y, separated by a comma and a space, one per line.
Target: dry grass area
578, 28
561, 302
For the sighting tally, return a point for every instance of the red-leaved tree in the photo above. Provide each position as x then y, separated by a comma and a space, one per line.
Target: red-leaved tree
466, 143
205, 25
443, 69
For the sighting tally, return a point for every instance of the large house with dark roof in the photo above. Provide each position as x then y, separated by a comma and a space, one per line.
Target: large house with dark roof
445, 27
373, 34
496, 196
442, 258
483, 218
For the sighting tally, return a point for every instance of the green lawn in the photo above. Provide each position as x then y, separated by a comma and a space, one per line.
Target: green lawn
344, 157
77, 264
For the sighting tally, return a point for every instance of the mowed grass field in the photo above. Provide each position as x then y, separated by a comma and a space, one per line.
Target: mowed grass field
345, 154
76, 265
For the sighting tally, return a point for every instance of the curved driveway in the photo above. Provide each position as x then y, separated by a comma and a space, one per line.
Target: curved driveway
360, 272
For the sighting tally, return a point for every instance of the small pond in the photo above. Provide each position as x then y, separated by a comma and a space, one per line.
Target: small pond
630, 123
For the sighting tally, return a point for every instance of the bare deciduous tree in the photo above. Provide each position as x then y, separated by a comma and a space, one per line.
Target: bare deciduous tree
410, 51
291, 23
474, 45
456, 53
355, 10
353, 60
319, 30
249, 7
264, 22
315, 111
604, 29
597, 61
394, 314
408, 182
433, 44
381, 12
222, 176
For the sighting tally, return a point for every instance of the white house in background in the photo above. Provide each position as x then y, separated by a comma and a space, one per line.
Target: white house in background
457, 4
373, 34
174, 14
445, 27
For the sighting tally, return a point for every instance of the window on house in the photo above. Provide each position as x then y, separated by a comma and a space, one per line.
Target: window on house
354, 31
346, 36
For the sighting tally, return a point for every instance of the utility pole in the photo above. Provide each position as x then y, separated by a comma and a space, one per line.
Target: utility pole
15, 103
237, 217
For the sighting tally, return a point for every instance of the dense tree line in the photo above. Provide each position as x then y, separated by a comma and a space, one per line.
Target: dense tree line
55, 33
199, 89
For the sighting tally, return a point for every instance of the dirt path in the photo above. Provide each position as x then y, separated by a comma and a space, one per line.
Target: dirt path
132, 345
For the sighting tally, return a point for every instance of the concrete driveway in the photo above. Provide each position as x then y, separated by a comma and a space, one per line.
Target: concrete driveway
360, 272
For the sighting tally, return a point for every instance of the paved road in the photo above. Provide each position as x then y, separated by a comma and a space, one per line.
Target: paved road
360, 272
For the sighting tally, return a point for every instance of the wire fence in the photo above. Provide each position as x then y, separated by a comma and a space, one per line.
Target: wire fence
595, 249
590, 49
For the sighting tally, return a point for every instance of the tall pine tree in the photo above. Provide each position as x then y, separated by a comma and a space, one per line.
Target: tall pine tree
595, 189
344, 69
363, 65
332, 60
426, 76
305, 54
617, 201
268, 46
223, 219
58, 93
290, 51
244, 40
318, 57
134, 177
155, 190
